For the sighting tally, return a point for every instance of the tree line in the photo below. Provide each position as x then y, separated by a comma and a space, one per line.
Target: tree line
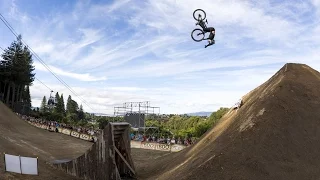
186, 126
55, 109
16, 76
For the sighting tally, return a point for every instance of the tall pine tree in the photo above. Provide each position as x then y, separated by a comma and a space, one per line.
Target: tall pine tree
16, 73
57, 108
81, 113
69, 105
44, 106
63, 105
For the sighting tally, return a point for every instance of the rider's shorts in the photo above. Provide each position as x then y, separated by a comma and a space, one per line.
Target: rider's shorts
209, 29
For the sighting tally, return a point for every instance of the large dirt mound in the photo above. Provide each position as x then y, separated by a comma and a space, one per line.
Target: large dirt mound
17, 137
274, 135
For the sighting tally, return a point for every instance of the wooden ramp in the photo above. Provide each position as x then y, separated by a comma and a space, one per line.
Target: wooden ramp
108, 159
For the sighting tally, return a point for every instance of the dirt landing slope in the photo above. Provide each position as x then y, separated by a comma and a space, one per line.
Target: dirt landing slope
19, 138
275, 135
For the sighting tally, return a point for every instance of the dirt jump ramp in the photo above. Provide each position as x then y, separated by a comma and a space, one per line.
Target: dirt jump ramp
275, 135
108, 158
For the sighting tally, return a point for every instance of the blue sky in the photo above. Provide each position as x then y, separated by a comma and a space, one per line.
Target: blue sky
111, 52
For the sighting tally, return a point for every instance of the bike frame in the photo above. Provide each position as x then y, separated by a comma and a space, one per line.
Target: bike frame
201, 21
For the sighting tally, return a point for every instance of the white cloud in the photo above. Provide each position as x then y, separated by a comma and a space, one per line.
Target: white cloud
58, 71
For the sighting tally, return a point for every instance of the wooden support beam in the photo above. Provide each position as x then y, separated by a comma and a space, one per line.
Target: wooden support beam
117, 174
119, 128
124, 160
119, 123
118, 132
127, 146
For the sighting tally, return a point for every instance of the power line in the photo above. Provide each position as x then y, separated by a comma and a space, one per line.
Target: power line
43, 83
7, 24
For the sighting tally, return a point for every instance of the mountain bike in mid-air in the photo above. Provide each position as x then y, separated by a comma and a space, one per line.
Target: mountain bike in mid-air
199, 34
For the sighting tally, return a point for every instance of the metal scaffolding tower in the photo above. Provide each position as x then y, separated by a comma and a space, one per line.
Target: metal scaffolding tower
140, 109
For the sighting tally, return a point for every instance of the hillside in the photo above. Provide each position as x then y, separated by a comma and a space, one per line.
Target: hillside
274, 135
17, 137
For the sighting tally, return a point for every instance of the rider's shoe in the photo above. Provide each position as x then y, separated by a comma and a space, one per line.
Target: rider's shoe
212, 42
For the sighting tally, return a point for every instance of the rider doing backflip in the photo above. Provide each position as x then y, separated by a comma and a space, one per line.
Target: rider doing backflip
208, 29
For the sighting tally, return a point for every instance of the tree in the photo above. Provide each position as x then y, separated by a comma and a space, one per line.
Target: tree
81, 113
16, 73
59, 109
69, 106
44, 106
26, 99
215, 116
63, 105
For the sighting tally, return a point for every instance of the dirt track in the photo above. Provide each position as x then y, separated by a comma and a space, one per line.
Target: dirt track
275, 135
19, 138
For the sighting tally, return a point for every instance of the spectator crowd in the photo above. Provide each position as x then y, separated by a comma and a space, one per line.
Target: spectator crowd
162, 140
95, 132
39, 121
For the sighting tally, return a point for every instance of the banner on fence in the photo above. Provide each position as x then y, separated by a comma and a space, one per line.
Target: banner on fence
75, 134
135, 144
21, 165
66, 131
155, 146
85, 137
69, 132
52, 128
177, 147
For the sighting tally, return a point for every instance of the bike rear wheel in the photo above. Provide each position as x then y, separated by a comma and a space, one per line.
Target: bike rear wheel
197, 35
198, 12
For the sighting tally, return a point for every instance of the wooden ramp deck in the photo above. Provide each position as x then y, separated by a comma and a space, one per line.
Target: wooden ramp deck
108, 159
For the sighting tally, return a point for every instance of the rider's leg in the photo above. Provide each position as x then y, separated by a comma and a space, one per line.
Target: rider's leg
210, 39
207, 29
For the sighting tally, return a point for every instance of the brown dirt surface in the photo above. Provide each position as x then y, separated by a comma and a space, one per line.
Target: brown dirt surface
274, 135
143, 159
17, 137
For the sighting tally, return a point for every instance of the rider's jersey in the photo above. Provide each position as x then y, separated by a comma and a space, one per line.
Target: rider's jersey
202, 24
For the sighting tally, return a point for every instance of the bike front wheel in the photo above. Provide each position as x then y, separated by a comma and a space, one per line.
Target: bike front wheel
197, 35
199, 14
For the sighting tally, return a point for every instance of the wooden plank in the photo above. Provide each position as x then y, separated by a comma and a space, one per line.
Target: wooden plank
117, 174
120, 124
124, 160
119, 128
118, 132
125, 137
111, 144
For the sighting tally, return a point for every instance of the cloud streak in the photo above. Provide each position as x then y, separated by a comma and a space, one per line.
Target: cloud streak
77, 76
